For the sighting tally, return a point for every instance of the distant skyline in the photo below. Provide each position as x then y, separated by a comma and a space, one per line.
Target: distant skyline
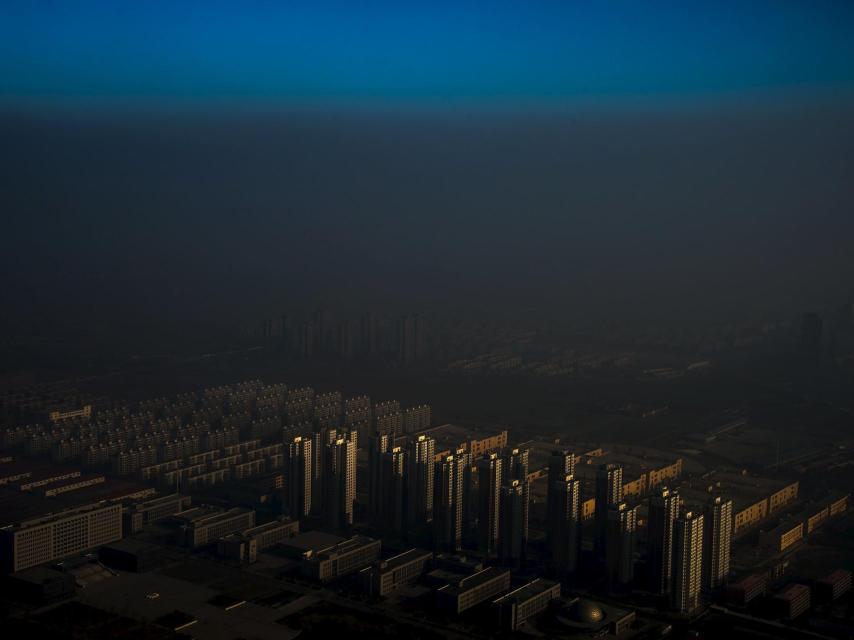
483, 53
203, 162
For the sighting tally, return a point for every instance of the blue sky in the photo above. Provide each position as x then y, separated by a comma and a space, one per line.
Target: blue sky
318, 52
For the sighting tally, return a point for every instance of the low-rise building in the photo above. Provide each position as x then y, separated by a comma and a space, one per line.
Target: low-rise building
588, 618
833, 586
325, 557
747, 589
793, 601
403, 569
56, 535
525, 602
198, 527
472, 590
839, 505
783, 536
129, 554
141, 514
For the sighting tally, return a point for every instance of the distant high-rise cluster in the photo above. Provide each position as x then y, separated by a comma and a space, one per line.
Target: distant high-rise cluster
410, 339
323, 336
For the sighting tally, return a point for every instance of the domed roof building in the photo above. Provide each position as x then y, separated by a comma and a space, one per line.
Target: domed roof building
586, 612
588, 618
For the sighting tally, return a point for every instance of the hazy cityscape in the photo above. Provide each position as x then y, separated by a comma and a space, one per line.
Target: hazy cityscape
465, 320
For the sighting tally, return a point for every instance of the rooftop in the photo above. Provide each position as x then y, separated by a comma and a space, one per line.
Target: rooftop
402, 559
24, 508
795, 590
132, 545
314, 541
836, 576
470, 582
527, 591
270, 526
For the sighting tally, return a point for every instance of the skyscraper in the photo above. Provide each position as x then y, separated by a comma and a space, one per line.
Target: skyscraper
298, 478
514, 466
561, 464
340, 482
488, 502
621, 529
663, 511
469, 498
320, 438
687, 561
449, 492
716, 546
512, 525
565, 525
609, 492
377, 446
393, 490
419, 481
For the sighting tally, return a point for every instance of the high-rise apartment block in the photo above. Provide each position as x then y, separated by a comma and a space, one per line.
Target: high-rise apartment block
561, 464
392, 488
298, 477
663, 510
419, 481
340, 482
512, 527
609, 492
377, 446
488, 502
687, 561
621, 529
565, 524
718, 539
449, 496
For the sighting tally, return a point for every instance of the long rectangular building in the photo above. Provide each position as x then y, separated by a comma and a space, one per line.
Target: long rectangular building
398, 571
199, 527
341, 559
141, 514
525, 602
57, 535
473, 590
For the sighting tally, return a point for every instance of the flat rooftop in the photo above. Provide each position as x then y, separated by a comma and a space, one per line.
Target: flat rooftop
157, 500
403, 558
314, 541
132, 545
793, 591
346, 546
450, 436
470, 582
269, 526
527, 591
38, 470
744, 490
213, 516
18, 507
25, 510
